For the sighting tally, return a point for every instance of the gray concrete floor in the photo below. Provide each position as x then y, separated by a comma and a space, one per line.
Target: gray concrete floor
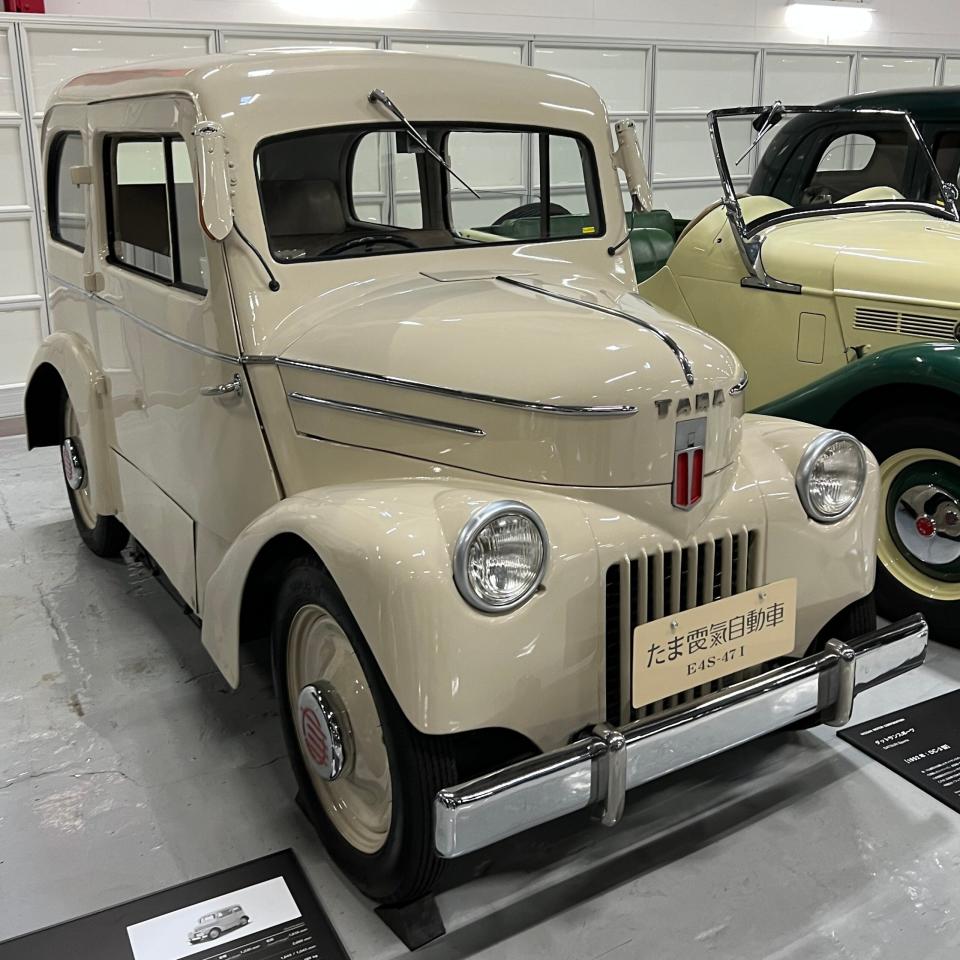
127, 765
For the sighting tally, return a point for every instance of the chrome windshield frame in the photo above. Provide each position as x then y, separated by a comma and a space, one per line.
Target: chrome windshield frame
749, 236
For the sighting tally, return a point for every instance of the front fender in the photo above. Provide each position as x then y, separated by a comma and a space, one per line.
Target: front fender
65, 357
389, 548
917, 365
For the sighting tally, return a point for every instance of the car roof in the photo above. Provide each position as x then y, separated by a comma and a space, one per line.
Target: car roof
257, 93
216, 75
925, 103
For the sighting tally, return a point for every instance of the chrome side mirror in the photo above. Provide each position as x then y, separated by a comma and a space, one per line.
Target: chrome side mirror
216, 208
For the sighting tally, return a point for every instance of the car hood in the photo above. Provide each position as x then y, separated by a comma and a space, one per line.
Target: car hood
899, 256
533, 378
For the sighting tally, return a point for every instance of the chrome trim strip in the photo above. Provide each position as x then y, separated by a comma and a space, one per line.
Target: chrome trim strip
624, 410
473, 815
147, 325
682, 358
740, 385
385, 414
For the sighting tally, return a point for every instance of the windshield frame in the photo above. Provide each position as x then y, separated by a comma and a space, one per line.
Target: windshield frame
591, 171
749, 236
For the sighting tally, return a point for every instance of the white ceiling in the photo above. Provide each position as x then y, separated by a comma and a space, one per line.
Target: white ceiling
918, 23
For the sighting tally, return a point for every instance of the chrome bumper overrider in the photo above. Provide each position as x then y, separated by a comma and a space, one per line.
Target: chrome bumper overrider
597, 770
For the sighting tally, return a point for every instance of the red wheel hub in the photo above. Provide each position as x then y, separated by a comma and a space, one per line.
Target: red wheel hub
926, 527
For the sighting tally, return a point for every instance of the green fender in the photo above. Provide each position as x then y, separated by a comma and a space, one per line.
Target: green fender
933, 366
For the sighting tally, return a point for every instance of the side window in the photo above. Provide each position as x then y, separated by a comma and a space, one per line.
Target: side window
65, 201
191, 251
851, 152
152, 211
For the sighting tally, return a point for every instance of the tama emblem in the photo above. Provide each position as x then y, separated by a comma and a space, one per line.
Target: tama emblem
691, 438
315, 737
321, 730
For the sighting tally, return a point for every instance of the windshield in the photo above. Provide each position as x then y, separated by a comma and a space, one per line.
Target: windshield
820, 160
372, 190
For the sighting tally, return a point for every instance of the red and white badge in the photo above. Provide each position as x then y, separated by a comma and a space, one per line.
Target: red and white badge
319, 730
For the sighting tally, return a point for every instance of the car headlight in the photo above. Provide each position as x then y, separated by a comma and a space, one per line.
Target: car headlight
831, 475
500, 556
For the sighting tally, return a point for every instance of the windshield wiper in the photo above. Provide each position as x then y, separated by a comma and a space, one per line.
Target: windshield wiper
763, 124
378, 96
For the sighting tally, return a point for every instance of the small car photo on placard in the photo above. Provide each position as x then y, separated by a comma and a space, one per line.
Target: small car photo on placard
227, 918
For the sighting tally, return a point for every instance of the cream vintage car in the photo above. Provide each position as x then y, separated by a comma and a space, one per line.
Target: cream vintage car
514, 543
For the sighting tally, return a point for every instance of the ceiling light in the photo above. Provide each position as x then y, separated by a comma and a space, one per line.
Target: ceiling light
355, 10
829, 19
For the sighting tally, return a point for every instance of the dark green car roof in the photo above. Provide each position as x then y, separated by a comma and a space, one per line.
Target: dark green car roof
925, 103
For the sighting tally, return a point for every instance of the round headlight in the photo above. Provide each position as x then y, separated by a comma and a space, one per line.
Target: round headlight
500, 557
831, 475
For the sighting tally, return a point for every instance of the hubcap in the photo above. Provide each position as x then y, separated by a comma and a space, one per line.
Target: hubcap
325, 678
322, 730
919, 540
74, 468
926, 518
72, 463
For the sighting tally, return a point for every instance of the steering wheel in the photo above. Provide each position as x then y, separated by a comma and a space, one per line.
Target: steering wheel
370, 238
528, 210
816, 196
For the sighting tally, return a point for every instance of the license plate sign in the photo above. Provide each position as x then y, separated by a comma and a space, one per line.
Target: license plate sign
706, 643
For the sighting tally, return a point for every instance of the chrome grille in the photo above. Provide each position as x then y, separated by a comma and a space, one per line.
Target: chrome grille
662, 581
905, 324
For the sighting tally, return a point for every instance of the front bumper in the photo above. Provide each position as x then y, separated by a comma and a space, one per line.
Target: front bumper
597, 770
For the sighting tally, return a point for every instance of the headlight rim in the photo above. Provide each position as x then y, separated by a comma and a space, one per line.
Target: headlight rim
476, 522
810, 456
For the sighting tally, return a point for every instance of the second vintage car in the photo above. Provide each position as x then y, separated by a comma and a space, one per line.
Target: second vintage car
514, 544
845, 307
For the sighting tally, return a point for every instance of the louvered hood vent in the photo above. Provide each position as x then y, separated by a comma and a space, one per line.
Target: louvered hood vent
906, 324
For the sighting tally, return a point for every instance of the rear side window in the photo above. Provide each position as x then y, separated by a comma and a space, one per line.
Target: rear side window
851, 152
66, 208
152, 217
856, 161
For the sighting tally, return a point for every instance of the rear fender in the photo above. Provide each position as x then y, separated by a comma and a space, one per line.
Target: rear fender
64, 361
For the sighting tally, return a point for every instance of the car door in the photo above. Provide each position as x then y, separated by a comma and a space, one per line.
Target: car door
194, 467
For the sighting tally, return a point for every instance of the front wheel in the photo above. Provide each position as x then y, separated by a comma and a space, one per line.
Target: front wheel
918, 546
367, 778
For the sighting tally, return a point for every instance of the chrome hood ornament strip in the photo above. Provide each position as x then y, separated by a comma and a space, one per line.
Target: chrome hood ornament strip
682, 358
566, 410
364, 410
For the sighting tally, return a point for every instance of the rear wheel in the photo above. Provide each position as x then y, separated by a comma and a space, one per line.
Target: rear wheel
105, 536
918, 546
367, 779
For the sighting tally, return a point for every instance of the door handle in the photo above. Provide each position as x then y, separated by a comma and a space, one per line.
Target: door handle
223, 389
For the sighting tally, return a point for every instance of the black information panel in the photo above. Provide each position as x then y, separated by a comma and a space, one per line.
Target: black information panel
922, 743
261, 910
